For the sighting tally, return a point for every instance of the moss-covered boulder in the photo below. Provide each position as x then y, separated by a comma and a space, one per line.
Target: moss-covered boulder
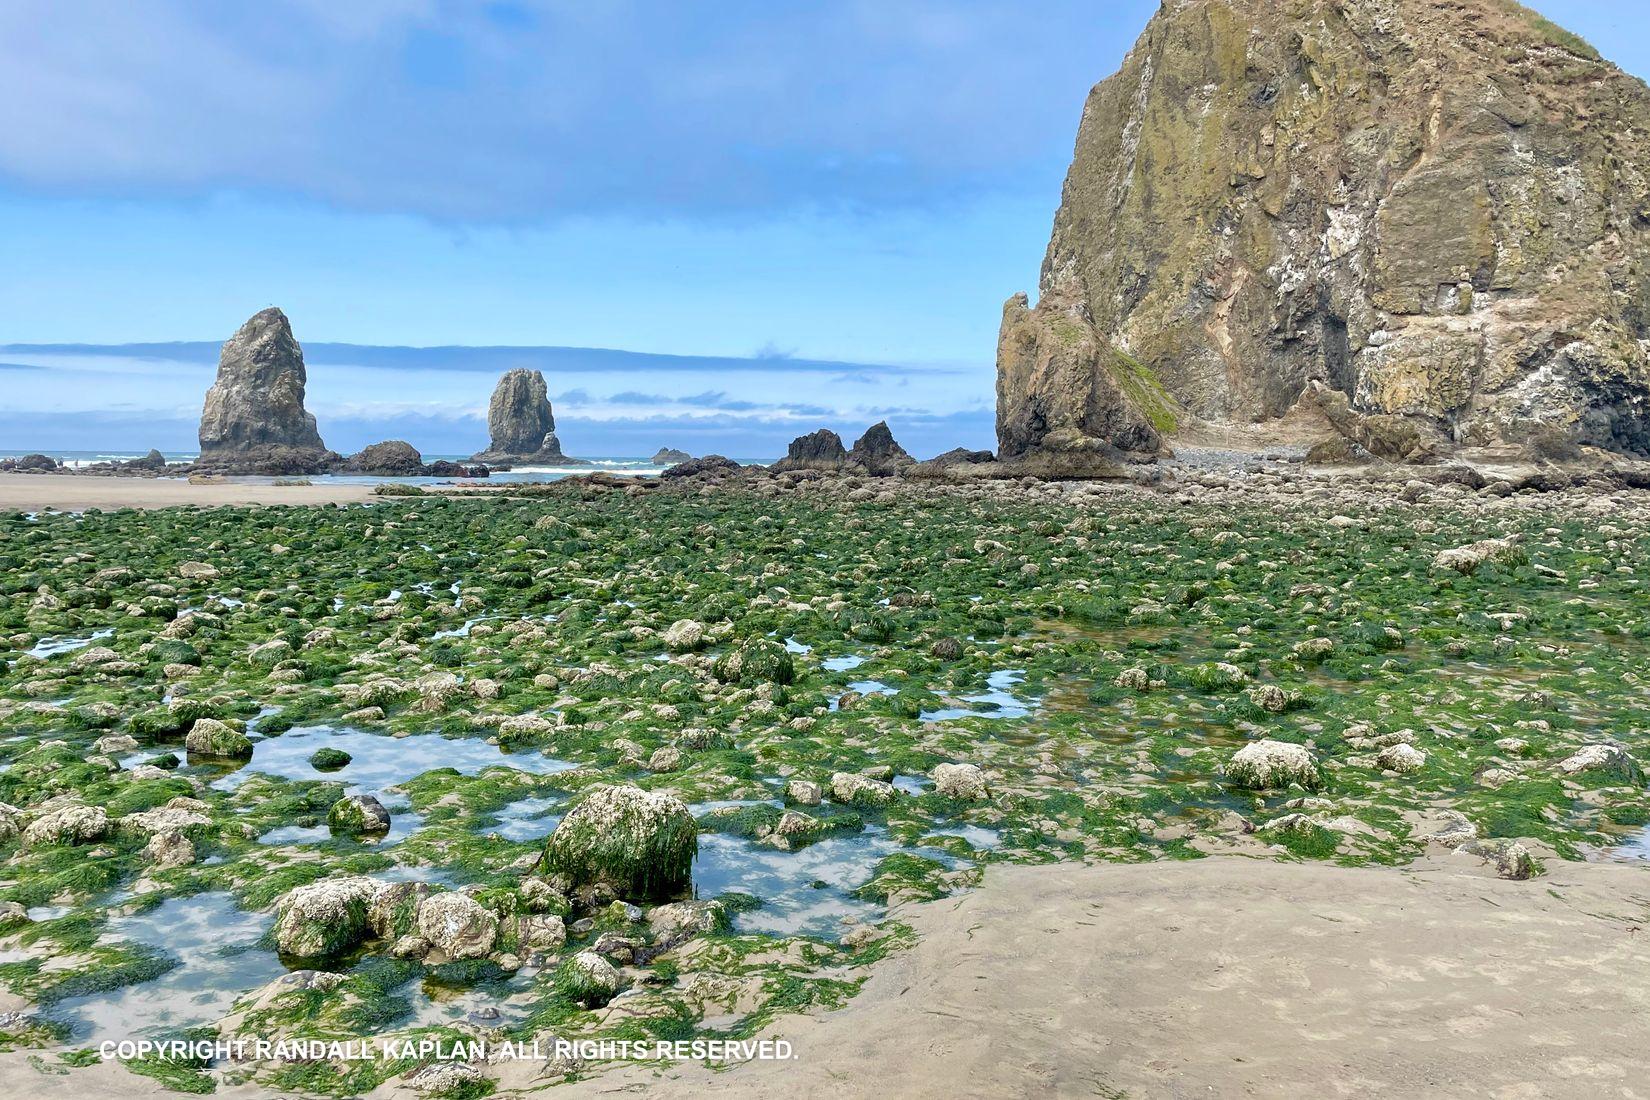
213, 739
358, 815
329, 759
755, 661
641, 843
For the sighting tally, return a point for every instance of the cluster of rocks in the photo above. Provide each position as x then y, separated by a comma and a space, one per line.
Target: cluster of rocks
622, 857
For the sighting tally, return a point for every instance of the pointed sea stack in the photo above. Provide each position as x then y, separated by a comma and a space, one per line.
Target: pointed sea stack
520, 422
254, 420
1435, 212
821, 450
877, 453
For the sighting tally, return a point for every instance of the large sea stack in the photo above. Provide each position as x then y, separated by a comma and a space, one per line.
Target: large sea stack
254, 419
1435, 215
520, 423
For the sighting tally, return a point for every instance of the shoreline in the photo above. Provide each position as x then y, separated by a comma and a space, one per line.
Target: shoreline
73, 493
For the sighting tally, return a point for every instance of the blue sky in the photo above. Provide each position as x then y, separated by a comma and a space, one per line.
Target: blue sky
862, 181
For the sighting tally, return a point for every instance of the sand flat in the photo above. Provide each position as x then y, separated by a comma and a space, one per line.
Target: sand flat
75, 492
1235, 977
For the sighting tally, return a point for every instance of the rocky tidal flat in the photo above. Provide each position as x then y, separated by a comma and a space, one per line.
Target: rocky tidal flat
587, 762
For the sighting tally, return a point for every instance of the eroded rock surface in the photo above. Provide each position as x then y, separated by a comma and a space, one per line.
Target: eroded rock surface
254, 416
1434, 213
520, 422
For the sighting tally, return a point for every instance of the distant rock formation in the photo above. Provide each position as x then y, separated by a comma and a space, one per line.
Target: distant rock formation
520, 423
254, 419
670, 456
392, 458
821, 450
153, 462
877, 453
708, 466
1434, 210
30, 464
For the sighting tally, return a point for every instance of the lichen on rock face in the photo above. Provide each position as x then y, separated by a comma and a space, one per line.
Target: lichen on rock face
1432, 210
641, 843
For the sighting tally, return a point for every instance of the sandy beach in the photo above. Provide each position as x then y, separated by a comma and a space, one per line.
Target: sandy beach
1218, 977
73, 493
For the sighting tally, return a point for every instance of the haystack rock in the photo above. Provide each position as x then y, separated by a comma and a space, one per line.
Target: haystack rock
821, 450
877, 453
254, 417
520, 423
1434, 215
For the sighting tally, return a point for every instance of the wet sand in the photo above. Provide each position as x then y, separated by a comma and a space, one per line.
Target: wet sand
73, 493
1217, 977
1232, 977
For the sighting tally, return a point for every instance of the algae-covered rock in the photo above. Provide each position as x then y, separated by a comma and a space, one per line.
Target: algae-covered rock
211, 738
852, 789
326, 917
684, 635
1607, 762
1468, 559
358, 815
588, 979
641, 843
1273, 765
755, 661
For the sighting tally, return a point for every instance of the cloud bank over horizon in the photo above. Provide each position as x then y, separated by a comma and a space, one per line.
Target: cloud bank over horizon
128, 398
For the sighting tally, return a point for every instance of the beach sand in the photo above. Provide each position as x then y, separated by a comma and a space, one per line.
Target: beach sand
74, 493
1217, 977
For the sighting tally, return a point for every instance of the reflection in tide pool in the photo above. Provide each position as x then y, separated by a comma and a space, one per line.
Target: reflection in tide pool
377, 760
803, 893
997, 701
51, 647
218, 959
528, 818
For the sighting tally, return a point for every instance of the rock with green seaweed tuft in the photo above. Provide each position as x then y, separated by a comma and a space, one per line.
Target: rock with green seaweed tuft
756, 661
209, 737
1273, 766
587, 979
641, 843
1607, 761
358, 815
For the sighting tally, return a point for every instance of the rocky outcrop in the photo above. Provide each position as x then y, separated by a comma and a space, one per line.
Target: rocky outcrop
710, 466
393, 458
254, 420
1436, 212
670, 456
821, 450
877, 453
520, 423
